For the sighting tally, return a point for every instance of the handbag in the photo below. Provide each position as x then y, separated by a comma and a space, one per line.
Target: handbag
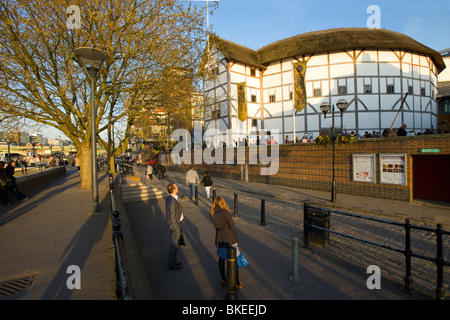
181, 240
241, 261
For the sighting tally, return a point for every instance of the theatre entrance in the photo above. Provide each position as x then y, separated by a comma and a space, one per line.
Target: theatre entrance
431, 177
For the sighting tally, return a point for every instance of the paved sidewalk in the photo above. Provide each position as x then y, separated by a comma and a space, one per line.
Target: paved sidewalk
56, 229
269, 254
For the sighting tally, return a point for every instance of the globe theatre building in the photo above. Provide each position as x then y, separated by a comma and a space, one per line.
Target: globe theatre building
282, 85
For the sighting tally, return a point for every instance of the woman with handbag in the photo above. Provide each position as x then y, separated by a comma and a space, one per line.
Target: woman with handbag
225, 235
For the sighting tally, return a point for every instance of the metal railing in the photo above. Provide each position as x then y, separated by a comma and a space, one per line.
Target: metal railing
407, 252
123, 291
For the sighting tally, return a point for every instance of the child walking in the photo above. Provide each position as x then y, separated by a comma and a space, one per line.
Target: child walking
207, 183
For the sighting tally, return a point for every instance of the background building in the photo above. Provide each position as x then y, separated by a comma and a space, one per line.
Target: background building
372, 69
443, 96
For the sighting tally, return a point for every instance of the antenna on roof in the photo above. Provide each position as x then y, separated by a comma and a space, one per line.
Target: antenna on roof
207, 21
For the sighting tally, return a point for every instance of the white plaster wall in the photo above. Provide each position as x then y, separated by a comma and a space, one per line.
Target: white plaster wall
445, 75
377, 68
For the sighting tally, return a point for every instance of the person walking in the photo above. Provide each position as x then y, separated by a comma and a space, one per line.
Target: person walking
77, 163
160, 169
191, 180
149, 173
207, 184
226, 235
9, 171
174, 220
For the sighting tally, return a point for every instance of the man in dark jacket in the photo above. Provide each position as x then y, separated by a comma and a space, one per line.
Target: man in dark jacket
9, 171
174, 219
160, 169
401, 132
5, 184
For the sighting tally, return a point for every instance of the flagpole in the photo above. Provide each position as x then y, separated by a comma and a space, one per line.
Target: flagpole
207, 25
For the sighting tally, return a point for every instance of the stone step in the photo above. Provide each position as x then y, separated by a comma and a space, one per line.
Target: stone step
142, 197
139, 189
138, 192
141, 194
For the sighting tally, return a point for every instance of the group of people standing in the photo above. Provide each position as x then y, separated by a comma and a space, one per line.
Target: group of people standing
220, 214
154, 168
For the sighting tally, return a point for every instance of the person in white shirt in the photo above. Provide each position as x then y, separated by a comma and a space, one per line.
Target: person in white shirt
191, 180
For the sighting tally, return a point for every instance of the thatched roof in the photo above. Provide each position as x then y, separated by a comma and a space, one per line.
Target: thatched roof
236, 52
329, 40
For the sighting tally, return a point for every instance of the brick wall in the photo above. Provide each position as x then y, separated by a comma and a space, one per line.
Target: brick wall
310, 166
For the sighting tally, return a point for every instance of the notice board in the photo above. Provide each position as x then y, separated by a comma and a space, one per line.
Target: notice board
363, 167
393, 168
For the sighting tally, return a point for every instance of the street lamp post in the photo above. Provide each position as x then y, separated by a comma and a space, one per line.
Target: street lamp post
325, 107
95, 55
8, 141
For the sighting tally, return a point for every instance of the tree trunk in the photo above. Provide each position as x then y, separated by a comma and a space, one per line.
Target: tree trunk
110, 161
84, 155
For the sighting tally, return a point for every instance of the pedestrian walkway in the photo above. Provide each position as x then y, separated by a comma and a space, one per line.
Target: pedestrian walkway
268, 275
56, 229
418, 210
41, 238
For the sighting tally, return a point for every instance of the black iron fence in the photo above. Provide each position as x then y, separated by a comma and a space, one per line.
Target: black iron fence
123, 291
317, 229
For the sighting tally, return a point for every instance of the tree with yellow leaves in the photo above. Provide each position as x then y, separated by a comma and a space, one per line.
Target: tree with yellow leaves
43, 79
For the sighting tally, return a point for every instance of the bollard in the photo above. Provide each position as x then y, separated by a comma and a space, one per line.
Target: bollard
263, 212
294, 276
306, 224
196, 195
236, 214
231, 271
214, 194
440, 291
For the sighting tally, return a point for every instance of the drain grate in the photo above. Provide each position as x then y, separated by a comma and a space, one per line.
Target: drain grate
14, 286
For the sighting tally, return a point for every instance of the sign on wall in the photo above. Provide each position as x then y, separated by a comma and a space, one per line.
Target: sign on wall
393, 168
363, 167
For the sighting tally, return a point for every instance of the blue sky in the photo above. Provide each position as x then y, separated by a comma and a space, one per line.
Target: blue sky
256, 23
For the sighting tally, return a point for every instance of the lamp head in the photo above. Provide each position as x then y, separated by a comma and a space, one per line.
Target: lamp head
325, 107
342, 105
91, 54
